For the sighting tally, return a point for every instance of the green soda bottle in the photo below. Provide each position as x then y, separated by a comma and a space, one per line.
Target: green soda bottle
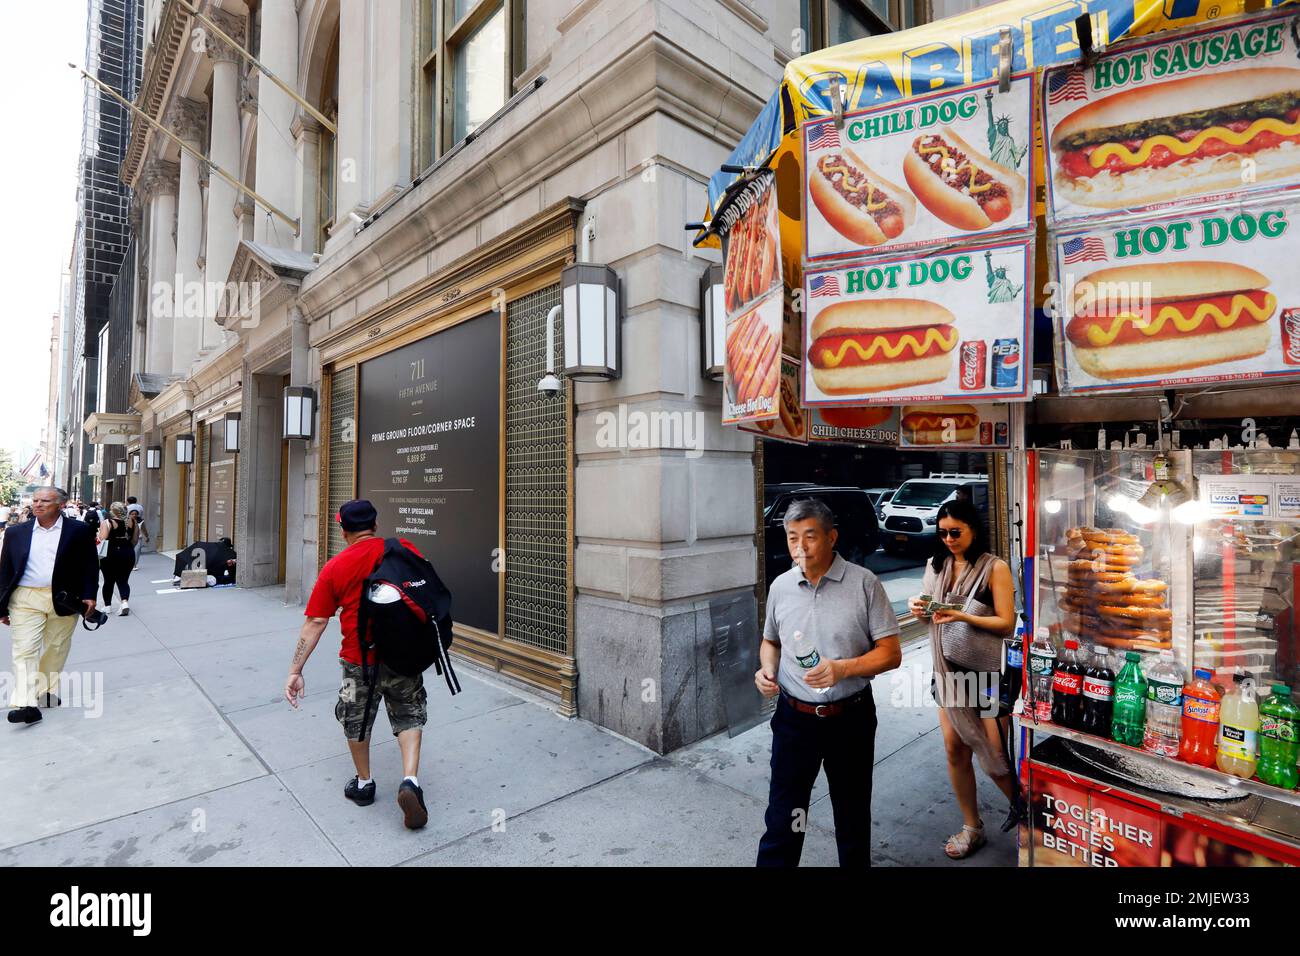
1130, 711
1279, 739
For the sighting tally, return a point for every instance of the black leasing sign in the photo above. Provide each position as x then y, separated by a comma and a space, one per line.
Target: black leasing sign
430, 456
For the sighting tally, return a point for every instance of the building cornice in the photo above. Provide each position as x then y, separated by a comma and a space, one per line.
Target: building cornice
169, 42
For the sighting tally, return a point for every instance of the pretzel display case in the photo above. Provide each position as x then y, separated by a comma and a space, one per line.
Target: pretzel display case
1141, 550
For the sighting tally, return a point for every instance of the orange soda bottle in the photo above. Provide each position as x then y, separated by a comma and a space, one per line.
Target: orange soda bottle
1201, 703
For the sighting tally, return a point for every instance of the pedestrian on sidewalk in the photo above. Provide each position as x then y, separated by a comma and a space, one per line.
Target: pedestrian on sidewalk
136, 510
966, 647
48, 575
339, 587
116, 540
825, 714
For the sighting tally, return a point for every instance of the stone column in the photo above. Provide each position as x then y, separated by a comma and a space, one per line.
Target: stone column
277, 165
159, 189
306, 138
188, 119
355, 89
224, 151
296, 496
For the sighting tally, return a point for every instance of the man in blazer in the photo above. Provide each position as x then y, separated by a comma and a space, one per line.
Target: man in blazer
46, 558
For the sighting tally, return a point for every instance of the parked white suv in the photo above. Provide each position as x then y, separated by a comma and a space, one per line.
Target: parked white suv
912, 515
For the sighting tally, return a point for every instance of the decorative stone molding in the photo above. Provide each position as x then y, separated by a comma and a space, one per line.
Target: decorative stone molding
233, 26
188, 119
747, 13
304, 125
160, 178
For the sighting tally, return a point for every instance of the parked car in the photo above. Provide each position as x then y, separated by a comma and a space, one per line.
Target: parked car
855, 520
879, 498
912, 515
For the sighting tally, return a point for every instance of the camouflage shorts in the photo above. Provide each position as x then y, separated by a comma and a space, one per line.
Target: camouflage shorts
404, 698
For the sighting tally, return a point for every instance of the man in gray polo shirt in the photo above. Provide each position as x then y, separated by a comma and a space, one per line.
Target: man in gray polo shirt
826, 714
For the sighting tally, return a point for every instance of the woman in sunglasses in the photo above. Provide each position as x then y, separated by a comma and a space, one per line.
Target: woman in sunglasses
967, 650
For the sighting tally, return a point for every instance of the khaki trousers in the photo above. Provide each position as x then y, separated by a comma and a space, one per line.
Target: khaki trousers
42, 640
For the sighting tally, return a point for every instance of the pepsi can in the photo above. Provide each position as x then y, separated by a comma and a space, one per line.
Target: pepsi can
1006, 363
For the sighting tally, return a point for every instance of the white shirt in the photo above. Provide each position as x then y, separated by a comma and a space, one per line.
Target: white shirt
40, 559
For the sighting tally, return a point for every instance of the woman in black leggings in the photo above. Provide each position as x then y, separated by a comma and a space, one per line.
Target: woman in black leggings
119, 531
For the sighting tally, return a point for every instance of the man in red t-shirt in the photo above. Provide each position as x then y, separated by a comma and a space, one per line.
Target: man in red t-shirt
339, 586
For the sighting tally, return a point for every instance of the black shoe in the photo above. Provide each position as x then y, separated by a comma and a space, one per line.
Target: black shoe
411, 799
361, 796
50, 700
1016, 814
24, 715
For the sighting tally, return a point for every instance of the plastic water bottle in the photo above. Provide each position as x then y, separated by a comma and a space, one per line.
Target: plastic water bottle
805, 652
1164, 706
1042, 664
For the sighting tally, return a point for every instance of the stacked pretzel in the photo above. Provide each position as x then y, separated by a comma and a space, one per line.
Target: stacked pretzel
1105, 601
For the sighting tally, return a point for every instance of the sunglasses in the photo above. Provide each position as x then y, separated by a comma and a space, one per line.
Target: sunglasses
953, 533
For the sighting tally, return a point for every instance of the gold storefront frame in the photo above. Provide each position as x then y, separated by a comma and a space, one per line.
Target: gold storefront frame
523, 260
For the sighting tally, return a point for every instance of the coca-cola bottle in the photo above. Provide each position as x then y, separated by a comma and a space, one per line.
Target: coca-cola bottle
1067, 687
1098, 694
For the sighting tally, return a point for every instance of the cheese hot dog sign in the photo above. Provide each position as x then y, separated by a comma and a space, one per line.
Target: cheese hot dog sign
1211, 297
1211, 113
919, 173
947, 326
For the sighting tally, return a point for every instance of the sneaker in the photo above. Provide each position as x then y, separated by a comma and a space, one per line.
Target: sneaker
411, 799
24, 715
361, 796
124, 610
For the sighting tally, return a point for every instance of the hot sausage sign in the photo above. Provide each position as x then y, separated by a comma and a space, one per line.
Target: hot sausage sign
921, 172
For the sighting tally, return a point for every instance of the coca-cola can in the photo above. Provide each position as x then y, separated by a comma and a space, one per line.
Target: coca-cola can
973, 355
1291, 336
986, 433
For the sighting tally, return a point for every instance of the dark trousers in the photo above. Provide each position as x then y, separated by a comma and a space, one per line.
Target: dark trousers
801, 744
117, 572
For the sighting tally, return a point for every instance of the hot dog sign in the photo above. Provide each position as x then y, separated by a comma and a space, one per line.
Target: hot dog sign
920, 172
1209, 114
948, 326
1183, 299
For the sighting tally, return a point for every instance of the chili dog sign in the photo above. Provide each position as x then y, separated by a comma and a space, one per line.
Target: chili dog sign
1212, 112
948, 326
919, 173
1179, 300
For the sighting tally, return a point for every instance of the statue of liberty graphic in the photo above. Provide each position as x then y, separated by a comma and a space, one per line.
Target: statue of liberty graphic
1002, 148
1001, 289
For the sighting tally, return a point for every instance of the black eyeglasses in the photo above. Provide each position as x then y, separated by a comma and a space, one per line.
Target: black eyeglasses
953, 533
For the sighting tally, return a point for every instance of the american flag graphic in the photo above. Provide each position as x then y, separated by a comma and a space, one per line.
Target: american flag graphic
824, 285
1084, 249
1065, 86
825, 136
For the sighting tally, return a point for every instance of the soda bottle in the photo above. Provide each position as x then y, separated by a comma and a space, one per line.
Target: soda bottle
1164, 707
1128, 716
1201, 704
1279, 739
1013, 665
1042, 663
1098, 693
1067, 687
1239, 729
805, 652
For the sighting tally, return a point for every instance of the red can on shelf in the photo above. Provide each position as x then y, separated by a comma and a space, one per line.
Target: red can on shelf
973, 362
1291, 336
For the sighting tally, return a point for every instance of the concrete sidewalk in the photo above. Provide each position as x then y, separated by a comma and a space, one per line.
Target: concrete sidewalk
194, 758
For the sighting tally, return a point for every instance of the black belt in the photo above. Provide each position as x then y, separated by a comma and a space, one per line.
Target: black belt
833, 709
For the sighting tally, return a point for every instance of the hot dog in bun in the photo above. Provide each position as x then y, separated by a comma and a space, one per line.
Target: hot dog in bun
940, 424
1197, 313
957, 184
1156, 142
857, 201
879, 344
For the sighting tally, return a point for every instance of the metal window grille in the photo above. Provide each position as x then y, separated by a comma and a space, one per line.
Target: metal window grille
202, 459
537, 482
342, 452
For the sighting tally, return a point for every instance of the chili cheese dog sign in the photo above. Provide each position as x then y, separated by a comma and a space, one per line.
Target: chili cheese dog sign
1214, 112
949, 326
1178, 300
919, 173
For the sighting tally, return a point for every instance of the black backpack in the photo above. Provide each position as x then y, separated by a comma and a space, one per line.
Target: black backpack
409, 626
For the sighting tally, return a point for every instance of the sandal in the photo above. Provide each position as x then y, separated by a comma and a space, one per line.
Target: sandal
965, 843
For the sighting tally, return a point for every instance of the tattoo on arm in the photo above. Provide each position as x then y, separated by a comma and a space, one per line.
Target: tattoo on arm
299, 653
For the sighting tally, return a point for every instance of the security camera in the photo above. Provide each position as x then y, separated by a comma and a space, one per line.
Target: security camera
549, 385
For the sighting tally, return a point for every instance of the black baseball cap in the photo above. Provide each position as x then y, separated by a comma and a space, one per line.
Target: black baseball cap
359, 515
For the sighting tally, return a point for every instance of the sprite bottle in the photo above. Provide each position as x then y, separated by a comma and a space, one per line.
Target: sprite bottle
1129, 715
1279, 739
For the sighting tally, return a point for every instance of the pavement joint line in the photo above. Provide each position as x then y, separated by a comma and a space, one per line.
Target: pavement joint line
164, 647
